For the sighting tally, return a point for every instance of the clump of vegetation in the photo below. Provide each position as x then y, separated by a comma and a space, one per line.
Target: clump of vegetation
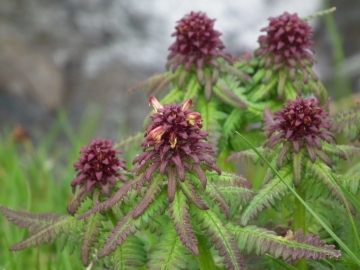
182, 204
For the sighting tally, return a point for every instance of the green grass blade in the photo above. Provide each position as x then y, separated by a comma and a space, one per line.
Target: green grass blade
322, 223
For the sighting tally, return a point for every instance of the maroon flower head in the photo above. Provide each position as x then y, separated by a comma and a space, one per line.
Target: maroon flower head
98, 167
303, 123
287, 42
197, 42
175, 144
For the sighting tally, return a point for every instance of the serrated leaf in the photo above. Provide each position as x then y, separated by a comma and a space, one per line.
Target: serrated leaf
179, 213
131, 255
213, 193
29, 220
46, 234
192, 89
169, 253
322, 172
232, 123
267, 195
219, 235
228, 97
127, 226
92, 230
294, 245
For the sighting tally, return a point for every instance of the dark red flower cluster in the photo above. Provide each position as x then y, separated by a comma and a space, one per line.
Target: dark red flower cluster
98, 167
287, 41
196, 43
175, 144
303, 123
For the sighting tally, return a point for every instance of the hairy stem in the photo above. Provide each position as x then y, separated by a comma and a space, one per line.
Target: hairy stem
300, 223
205, 259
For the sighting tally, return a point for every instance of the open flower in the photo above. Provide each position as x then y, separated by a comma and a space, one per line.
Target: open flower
98, 167
303, 123
175, 144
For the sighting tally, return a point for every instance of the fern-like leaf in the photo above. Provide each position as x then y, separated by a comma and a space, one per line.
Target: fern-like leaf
235, 189
131, 255
213, 192
127, 226
219, 235
92, 231
211, 116
192, 89
64, 225
169, 253
293, 246
152, 191
192, 195
248, 155
227, 96
348, 122
179, 213
322, 172
114, 199
267, 195
232, 122
29, 220
349, 150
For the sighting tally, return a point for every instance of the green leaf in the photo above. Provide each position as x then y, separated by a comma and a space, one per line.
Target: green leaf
29, 220
192, 89
92, 231
266, 196
63, 225
179, 213
219, 235
233, 122
293, 246
131, 255
322, 172
127, 226
169, 253
322, 223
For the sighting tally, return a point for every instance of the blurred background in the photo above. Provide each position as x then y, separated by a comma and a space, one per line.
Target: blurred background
80, 56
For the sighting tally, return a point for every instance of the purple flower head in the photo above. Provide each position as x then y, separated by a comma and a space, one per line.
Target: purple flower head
175, 144
197, 42
303, 123
98, 167
287, 42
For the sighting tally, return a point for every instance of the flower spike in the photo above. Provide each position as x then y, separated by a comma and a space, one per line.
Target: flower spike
97, 168
174, 145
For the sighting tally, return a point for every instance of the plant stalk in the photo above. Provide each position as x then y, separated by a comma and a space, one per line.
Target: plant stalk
300, 223
205, 259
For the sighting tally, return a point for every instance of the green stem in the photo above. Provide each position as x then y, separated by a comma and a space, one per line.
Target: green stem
300, 223
205, 259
